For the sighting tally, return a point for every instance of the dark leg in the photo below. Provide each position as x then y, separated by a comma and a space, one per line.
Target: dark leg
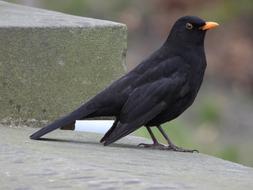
171, 145
156, 144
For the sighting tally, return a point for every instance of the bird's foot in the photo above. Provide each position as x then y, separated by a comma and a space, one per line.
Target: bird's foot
157, 146
179, 149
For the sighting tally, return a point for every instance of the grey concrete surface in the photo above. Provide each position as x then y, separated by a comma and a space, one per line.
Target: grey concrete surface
51, 62
71, 160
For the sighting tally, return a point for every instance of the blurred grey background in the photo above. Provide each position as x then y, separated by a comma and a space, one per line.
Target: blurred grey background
220, 121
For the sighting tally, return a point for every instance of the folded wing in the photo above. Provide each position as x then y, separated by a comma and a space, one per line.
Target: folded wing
145, 103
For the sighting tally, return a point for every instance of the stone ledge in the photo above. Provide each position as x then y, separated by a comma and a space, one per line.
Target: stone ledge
13, 15
51, 62
71, 160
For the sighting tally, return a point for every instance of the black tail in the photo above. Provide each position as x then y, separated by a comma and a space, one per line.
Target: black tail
120, 131
107, 134
70, 119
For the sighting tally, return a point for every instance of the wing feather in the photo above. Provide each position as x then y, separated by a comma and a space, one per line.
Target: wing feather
144, 104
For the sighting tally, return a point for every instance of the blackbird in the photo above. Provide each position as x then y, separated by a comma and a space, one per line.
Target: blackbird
158, 90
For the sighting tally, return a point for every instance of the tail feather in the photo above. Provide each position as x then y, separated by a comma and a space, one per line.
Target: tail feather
107, 134
120, 131
68, 120
55, 125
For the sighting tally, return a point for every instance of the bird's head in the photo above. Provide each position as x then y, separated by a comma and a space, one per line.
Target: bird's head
190, 30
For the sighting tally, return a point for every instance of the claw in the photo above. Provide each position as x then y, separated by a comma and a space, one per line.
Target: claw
153, 146
164, 147
179, 149
142, 144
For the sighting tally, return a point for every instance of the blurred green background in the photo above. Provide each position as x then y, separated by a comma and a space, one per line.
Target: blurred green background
220, 121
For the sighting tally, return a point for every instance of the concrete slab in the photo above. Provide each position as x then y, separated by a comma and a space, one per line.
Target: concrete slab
71, 160
51, 62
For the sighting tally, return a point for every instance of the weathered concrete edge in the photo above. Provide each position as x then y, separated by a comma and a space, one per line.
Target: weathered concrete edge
92, 21
120, 26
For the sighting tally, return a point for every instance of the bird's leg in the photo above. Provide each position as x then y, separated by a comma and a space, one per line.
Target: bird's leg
171, 145
155, 145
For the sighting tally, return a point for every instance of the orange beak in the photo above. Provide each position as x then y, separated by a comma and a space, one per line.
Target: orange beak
209, 25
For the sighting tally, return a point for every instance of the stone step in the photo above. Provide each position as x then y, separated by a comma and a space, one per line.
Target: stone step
51, 62
75, 160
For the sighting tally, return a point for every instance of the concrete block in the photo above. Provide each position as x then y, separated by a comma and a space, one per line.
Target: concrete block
51, 62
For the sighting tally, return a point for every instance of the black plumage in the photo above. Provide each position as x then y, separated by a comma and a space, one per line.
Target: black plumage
158, 90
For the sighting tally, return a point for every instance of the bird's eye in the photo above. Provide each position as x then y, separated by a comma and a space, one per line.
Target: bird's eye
189, 26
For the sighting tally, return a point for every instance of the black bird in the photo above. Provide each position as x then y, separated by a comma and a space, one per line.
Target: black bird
158, 90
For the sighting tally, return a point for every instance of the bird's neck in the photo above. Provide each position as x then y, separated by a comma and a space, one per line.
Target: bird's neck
177, 46
193, 54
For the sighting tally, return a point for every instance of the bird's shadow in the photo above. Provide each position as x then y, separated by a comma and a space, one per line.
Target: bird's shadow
115, 145
119, 145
